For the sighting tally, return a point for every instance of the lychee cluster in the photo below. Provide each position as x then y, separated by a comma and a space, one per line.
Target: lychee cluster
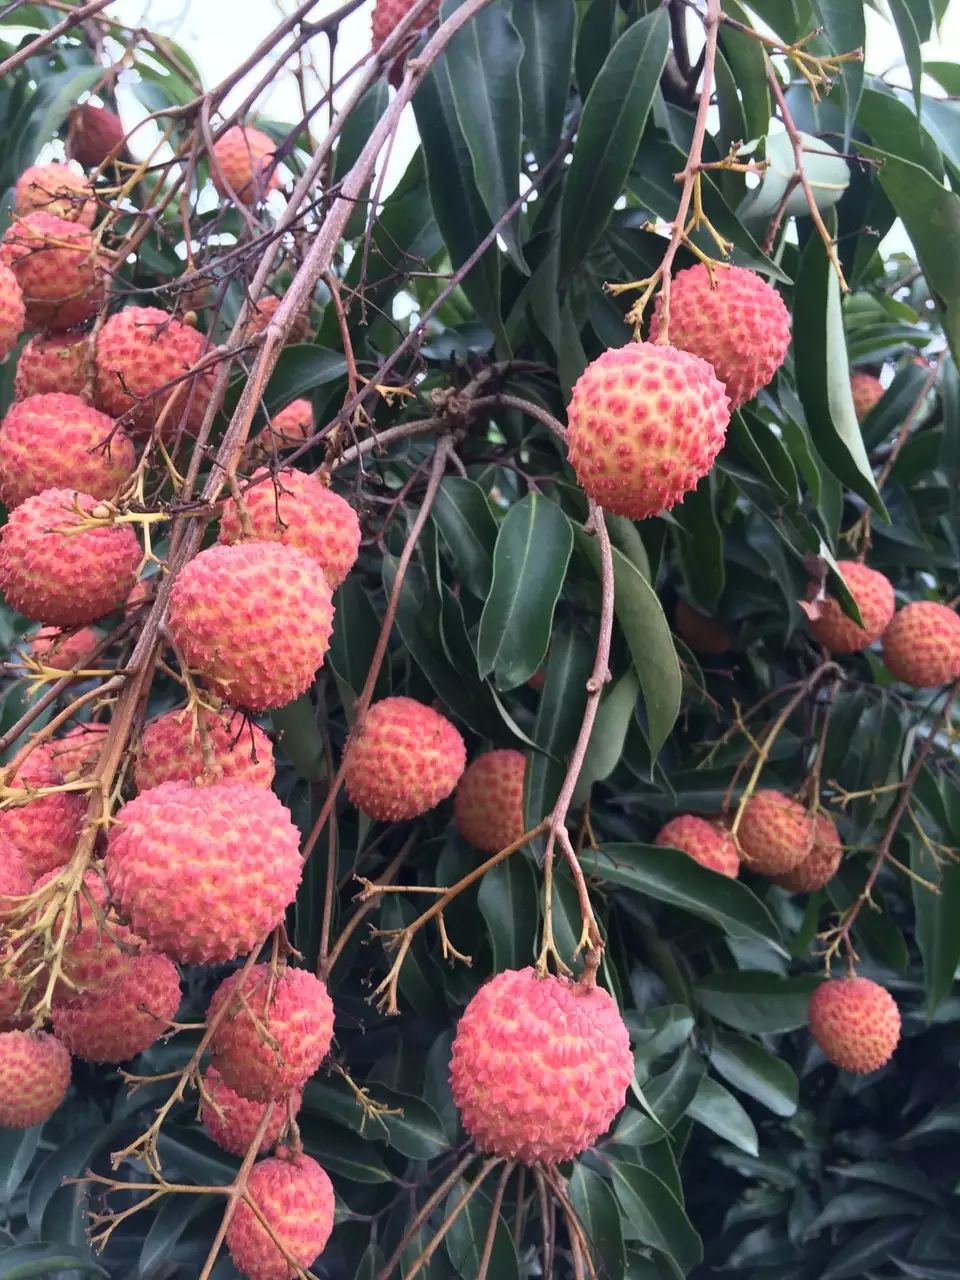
873, 595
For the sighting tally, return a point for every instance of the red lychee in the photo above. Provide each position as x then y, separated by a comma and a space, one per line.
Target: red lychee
405, 759
34, 1078
15, 878
11, 1016
56, 442
873, 594
707, 844
94, 134
855, 1022
173, 746
705, 635
202, 874
776, 833
867, 391
488, 803
540, 1066
298, 509
291, 426
57, 189
736, 322
127, 1018
921, 646
54, 362
821, 863
254, 619
295, 1196
13, 314
242, 165
232, 1120
62, 578
387, 14
98, 951
282, 1048
57, 267
63, 650
645, 425
45, 828
263, 312
79, 749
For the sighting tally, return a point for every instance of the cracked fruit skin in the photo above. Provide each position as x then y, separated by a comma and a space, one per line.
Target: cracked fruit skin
295, 1196
646, 423
707, 844
60, 578
488, 802
171, 750
404, 761
855, 1022
255, 620
821, 863
776, 833
203, 873
58, 441
34, 1078
242, 165
298, 1019
127, 1018
867, 391
54, 362
921, 646
57, 268
45, 830
738, 324
873, 594
54, 188
540, 1066
232, 1120
13, 314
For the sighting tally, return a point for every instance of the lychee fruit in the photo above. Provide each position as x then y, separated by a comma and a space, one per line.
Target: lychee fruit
58, 577
127, 1018
821, 863
703, 634
52, 362
867, 391
143, 594
34, 1078
94, 133
645, 425
242, 165
711, 846
15, 878
211, 747
277, 1030
202, 874
263, 312
298, 509
63, 650
540, 1066
79, 749
57, 268
855, 1022
232, 1120
295, 1196
291, 426
488, 802
873, 594
57, 441
13, 314
921, 646
254, 619
98, 949
404, 760
55, 188
387, 14
776, 833
735, 321
45, 829
142, 360
12, 1017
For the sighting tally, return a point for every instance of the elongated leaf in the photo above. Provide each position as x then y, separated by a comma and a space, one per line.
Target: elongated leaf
936, 914
595, 39
597, 1213
746, 59
754, 1070
463, 516
614, 717
26, 1261
299, 370
845, 31
717, 1108
467, 1238
655, 1214
757, 1002
559, 715
546, 28
173, 1217
17, 1149
508, 903
910, 40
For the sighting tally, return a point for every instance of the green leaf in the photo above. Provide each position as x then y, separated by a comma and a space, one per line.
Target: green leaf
746, 59
756, 1071
463, 516
717, 1109
299, 370
614, 717
910, 39
655, 1215
529, 566
26, 1261
612, 124
342, 1152
559, 716
598, 1214
17, 1149
936, 922
871, 1248
546, 28
665, 1099
416, 1132
594, 41
467, 1236
355, 630
757, 1001
700, 544
508, 903
845, 30
357, 128
171, 1220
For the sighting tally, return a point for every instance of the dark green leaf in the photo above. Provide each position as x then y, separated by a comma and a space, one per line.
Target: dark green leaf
547, 29
467, 1237
614, 717
655, 1215
559, 716
717, 1108
598, 1214
757, 1002
910, 39
508, 903
936, 922
845, 31
594, 41
756, 1071
463, 516
299, 370
26, 1261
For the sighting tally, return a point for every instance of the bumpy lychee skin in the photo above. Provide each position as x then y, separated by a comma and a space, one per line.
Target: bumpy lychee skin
738, 323
63, 649
94, 134
867, 391
15, 878
709, 845
57, 189
242, 164
488, 803
57, 268
254, 619
60, 578
540, 1066
202, 874
298, 1019
13, 314
776, 833
172, 750
264, 311
705, 635
921, 646
388, 13
127, 1018
79, 749
34, 1078
12, 1018
645, 425
291, 426
295, 1196
821, 863
404, 761
54, 362
298, 509
99, 949
855, 1022
138, 351
232, 1120
45, 829
57, 441
873, 594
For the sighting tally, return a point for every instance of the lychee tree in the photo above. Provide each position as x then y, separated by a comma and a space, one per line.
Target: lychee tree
479, 791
